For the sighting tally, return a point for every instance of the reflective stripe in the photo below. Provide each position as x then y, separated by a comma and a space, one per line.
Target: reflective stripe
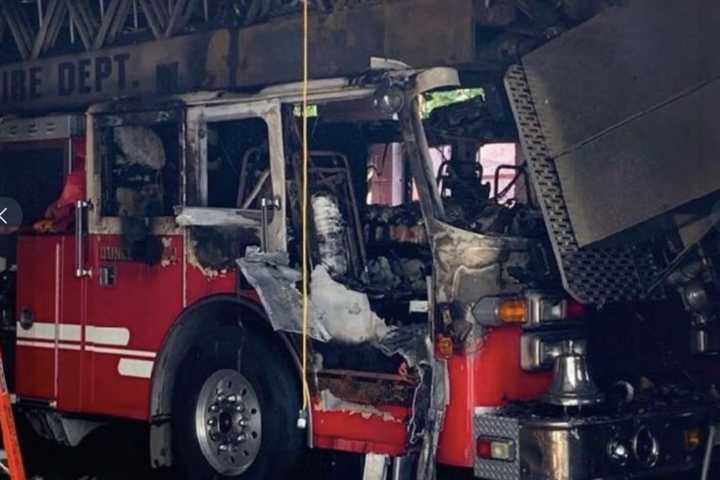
42, 335
46, 331
116, 336
121, 351
131, 367
61, 346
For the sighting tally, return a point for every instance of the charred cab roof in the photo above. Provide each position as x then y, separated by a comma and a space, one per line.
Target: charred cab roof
320, 91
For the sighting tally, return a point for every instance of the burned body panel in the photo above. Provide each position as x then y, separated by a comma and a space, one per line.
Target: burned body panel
470, 266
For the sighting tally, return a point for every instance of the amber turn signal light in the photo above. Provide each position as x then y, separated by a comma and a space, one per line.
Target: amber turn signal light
693, 439
512, 311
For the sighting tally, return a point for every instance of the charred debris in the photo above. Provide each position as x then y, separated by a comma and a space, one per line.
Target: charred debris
375, 265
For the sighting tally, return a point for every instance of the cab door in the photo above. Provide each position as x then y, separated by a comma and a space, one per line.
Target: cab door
236, 179
135, 253
37, 331
48, 296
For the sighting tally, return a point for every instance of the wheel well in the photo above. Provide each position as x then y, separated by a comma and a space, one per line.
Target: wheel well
220, 310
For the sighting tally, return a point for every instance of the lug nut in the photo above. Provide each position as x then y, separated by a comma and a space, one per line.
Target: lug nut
242, 422
240, 407
214, 408
241, 438
212, 421
223, 448
232, 398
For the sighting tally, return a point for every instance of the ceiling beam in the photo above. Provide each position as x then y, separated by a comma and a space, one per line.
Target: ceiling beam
156, 15
115, 17
53, 19
19, 26
84, 21
181, 14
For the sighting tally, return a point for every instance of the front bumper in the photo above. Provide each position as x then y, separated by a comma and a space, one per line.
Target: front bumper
634, 444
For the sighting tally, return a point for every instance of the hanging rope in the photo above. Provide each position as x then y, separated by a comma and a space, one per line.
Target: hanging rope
305, 195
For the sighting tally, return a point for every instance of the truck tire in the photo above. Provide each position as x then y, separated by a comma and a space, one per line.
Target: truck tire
230, 424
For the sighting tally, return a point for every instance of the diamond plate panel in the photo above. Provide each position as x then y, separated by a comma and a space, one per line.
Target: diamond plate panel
591, 275
501, 427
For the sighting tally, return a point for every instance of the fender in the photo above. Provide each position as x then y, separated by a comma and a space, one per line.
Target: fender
212, 311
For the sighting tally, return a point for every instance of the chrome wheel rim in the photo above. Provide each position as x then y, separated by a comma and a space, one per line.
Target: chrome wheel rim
228, 422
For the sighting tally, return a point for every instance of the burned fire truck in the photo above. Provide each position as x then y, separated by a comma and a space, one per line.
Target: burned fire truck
567, 333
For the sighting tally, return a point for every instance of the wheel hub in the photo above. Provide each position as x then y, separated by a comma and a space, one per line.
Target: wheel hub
228, 422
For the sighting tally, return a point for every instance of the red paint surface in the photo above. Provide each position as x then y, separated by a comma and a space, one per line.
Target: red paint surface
72, 312
488, 376
201, 286
145, 299
36, 286
34, 373
353, 432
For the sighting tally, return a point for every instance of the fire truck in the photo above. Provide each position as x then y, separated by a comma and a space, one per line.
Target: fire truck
568, 332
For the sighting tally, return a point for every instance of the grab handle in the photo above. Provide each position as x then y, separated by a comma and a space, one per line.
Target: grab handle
80, 207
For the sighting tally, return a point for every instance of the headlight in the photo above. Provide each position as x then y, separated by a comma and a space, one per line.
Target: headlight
646, 447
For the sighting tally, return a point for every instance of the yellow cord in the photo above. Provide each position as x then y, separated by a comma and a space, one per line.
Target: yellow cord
305, 168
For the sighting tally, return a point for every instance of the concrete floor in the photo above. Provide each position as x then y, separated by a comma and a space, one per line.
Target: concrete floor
120, 453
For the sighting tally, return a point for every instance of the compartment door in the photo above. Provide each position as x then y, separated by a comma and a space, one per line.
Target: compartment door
38, 317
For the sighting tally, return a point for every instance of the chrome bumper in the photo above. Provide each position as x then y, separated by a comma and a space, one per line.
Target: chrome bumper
592, 447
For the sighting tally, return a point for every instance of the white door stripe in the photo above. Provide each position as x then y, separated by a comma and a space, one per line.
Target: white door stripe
130, 367
121, 351
115, 336
97, 338
61, 346
47, 331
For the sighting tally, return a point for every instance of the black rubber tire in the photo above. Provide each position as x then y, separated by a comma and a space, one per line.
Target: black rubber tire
265, 364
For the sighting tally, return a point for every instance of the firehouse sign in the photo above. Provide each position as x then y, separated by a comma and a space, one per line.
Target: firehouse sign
85, 76
248, 57
152, 68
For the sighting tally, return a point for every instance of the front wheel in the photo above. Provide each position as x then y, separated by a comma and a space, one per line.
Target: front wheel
237, 424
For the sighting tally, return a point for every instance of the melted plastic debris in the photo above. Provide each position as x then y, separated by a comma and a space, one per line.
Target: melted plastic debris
331, 403
331, 233
275, 283
344, 313
140, 146
337, 313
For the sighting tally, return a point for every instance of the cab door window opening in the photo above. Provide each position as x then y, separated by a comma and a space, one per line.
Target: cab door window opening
45, 164
235, 172
139, 165
238, 178
56, 170
238, 164
369, 237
